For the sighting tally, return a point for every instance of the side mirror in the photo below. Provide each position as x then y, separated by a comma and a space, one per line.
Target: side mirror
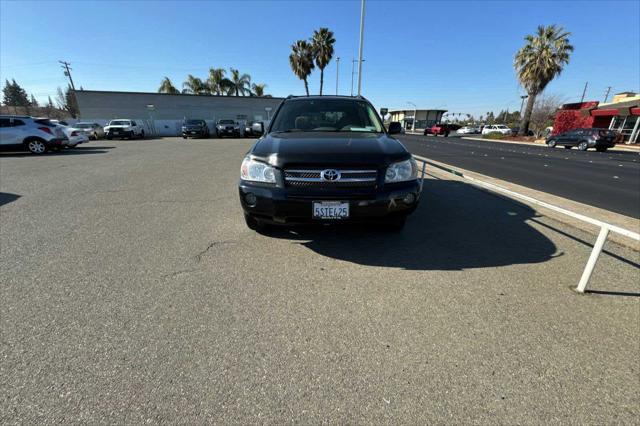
383, 112
258, 127
394, 128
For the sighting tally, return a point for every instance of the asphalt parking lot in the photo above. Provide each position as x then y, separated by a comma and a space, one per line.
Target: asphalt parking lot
133, 292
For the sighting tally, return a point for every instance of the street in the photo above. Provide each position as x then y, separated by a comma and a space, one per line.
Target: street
609, 180
133, 292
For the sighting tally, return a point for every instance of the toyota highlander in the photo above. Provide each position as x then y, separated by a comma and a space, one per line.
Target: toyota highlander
328, 159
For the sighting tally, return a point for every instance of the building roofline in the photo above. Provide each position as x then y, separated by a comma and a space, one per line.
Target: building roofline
176, 94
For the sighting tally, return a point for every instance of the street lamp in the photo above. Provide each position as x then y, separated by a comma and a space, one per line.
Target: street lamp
415, 111
523, 97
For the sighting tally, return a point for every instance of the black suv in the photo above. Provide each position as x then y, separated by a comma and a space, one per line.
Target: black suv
600, 139
195, 128
227, 128
328, 159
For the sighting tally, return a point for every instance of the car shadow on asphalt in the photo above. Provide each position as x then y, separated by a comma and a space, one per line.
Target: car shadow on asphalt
81, 150
456, 226
6, 198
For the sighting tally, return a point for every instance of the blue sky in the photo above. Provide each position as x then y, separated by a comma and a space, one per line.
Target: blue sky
455, 55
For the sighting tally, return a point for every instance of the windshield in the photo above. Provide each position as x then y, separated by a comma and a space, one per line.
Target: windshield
226, 122
120, 123
193, 122
326, 115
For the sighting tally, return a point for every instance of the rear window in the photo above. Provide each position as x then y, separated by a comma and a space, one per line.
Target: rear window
45, 122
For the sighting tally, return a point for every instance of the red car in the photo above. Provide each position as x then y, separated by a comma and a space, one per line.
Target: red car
439, 129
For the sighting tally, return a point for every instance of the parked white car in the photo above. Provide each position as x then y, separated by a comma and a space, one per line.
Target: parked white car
496, 128
468, 130
38, 135
74, 136
124, 128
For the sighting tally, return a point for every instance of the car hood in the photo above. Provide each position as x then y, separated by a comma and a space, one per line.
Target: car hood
119, 126
330, 148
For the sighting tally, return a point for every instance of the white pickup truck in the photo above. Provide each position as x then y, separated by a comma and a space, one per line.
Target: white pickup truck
124, 128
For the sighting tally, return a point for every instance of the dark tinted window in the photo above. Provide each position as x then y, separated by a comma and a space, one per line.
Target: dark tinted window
326, 115
17, 123
133, 123
200, 122
44, 121
4, 122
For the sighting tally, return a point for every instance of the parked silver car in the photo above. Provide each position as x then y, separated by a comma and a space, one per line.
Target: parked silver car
37, 135
92, 130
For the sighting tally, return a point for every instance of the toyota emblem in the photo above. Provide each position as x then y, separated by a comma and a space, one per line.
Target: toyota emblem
330, 175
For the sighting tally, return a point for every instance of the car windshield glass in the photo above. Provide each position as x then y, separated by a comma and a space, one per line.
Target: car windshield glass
226, 122
193, 122
119, 123
326, 115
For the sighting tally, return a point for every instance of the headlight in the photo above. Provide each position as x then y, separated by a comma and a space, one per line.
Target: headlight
402, 171
257, 172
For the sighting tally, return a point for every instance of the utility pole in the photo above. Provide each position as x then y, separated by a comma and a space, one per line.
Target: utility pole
361, 46
353, 72
607, 95
523, 97
337, 73
67, 72
584, 92
353, 64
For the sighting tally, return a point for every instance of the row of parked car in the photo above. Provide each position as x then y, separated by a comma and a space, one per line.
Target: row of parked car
443, 129
198, 128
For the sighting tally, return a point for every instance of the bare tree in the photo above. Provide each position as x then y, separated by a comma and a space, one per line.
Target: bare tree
544, 111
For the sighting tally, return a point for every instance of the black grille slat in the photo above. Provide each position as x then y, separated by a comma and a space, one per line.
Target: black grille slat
350, 178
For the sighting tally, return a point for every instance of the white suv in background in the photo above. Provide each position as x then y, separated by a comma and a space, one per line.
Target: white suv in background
37, 135
124, 128
496, 128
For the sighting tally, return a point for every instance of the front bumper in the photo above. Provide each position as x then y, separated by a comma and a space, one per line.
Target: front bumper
120, 134
278, 205
228, 132
193, 133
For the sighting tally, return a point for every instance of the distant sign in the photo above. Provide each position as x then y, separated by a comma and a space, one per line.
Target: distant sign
151, 107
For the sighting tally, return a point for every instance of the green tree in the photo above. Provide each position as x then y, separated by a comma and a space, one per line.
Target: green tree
258, 89
539, 61
322, 44
166, 86
14, 95
240, 83
217, 82
301, 61
67, 101
195, 86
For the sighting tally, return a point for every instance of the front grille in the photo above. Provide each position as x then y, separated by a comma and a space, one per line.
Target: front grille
313, 178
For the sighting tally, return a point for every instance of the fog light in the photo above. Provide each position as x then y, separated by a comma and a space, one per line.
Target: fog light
409, 199
250, 199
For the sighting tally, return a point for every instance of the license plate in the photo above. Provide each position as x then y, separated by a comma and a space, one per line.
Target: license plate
330, 210
116, 133
193, 133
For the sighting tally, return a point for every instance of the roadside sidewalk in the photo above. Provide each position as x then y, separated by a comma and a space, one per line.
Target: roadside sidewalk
622, 221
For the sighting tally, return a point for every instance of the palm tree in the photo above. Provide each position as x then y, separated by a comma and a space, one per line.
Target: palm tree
258, 89
166, 86
217, 82
301, 61
322, 42
195, 86
539, 61
240, 83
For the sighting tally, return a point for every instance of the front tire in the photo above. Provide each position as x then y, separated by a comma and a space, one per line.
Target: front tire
551, 143
253, 223
567, 147
583, 146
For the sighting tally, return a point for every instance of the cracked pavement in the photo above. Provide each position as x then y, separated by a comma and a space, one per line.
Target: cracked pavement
132, 292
